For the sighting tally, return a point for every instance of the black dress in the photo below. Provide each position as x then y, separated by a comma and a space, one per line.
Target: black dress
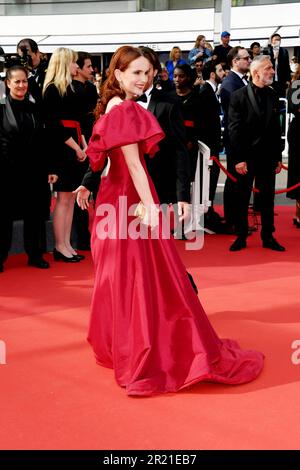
294, 145
191, 115
58, 109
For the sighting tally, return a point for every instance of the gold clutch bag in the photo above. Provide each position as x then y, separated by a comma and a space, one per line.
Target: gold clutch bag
140, 210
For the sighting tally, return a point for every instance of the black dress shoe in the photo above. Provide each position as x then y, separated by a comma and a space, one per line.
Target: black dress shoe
238, 244
40, 263
295, 222
1, 268
79, 257
272, 244
58, 256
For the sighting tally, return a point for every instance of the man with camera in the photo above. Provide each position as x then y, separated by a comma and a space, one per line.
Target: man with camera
36, 63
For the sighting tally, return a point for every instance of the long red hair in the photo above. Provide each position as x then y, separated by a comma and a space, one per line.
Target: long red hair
111, 87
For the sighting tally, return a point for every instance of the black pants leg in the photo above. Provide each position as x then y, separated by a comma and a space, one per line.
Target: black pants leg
33, 230
257, 196
213, 181
230, 194
6, 228
81, 226
267, 194
243, 193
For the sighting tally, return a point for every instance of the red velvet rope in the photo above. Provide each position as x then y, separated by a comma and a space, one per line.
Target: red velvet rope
255, 190
280, 191
215, 159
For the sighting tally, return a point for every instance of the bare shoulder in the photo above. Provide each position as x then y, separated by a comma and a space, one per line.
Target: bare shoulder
113, 102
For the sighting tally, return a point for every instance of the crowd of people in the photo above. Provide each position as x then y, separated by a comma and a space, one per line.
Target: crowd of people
147, 322
46, 122
47, 117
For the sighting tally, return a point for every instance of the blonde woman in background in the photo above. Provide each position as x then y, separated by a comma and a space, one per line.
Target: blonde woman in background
199, 50
174, 60
62, 111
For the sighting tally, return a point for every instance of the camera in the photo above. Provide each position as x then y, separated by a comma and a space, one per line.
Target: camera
9, 60
267, 50
270, 49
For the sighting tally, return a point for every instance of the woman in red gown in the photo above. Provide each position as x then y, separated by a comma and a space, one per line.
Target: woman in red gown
146, 321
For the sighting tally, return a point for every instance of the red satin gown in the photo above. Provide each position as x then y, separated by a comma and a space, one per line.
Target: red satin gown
146, 321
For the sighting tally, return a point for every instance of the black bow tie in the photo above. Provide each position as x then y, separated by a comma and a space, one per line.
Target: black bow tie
244, 77
142, 98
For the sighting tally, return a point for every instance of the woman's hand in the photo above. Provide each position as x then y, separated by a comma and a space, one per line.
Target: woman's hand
81, 155
52, 179
152, 216
149, 215
82, 197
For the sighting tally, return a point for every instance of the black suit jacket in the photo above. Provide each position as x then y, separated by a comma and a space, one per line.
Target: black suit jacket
23, 160
230, 84
170, 168
209, 114
254, 137
36, 82
19, 151
283, 69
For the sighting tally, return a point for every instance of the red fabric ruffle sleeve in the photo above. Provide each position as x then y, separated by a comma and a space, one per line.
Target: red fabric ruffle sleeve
126, 123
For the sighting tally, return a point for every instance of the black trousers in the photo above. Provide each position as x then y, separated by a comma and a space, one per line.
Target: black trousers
33, 230
230, 193
213, 178
265, 182
81, 226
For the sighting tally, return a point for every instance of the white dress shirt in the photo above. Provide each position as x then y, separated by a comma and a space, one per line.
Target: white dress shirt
148, 95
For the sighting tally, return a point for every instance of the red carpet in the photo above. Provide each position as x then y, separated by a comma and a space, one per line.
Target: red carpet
54, 396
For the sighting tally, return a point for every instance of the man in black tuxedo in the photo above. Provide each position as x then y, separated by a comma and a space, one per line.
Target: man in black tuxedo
87, 92
281, 64
170, 169
239, 60
209, 112
255, 142
210, 132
